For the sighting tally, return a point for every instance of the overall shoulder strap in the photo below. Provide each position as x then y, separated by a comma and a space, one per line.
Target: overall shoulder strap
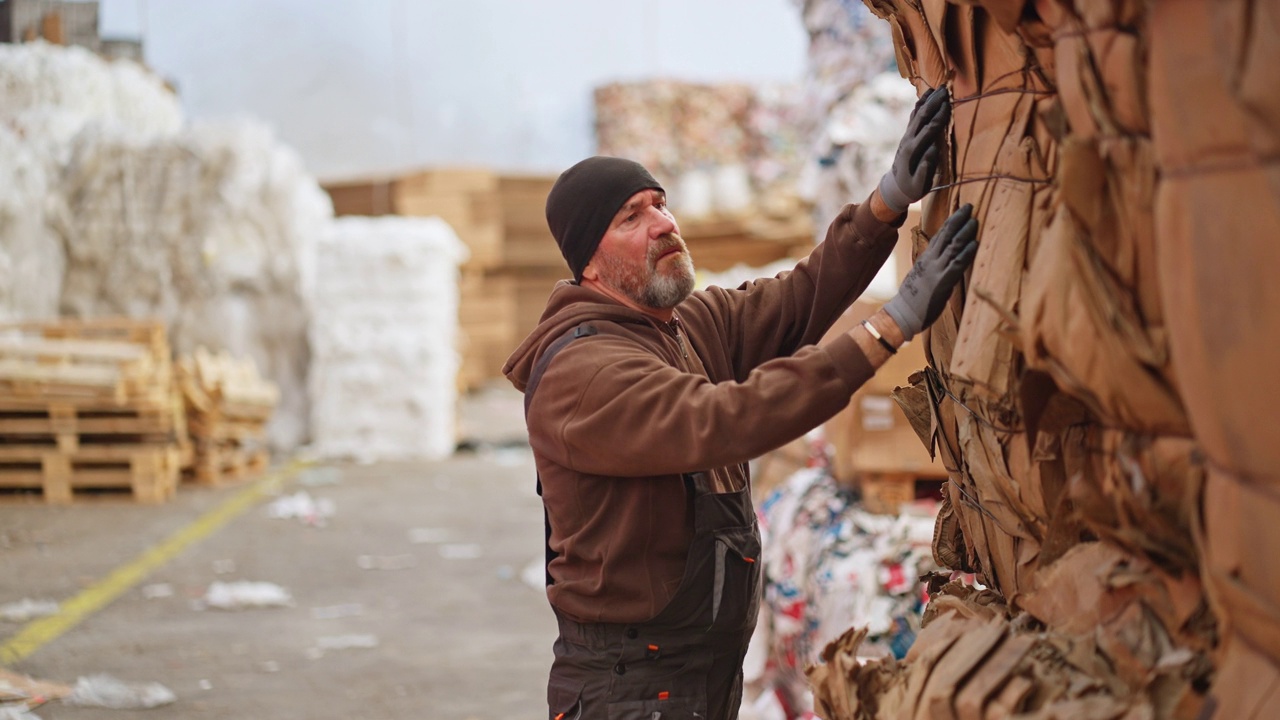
540, 367
535, 377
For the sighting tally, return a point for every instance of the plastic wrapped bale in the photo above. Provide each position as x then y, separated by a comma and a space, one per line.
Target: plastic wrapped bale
48, 95
384, 339
212, 230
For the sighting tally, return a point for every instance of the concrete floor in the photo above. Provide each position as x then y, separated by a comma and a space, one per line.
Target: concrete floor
459, 634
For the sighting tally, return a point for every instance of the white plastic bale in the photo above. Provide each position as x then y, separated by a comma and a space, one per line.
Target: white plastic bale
49, 93
31, 256
384, 339
212, 230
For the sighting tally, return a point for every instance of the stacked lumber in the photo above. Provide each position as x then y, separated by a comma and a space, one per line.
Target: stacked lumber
228, 405
1089, 387
513, 263
88, 406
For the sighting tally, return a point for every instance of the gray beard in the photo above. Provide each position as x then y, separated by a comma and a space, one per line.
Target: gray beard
667, 291
652, 289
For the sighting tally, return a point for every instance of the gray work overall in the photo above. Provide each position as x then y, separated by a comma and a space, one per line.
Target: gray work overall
687, 661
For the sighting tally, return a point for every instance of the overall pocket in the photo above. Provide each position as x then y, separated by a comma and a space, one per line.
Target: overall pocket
564, 700
735, 599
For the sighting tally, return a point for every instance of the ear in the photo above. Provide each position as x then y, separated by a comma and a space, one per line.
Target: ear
590, 273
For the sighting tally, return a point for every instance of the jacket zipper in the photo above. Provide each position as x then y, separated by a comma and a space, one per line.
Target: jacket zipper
675, 331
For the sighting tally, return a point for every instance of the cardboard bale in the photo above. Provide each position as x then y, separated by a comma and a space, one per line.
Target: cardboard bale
1220, 186
1100, 348
1239, 528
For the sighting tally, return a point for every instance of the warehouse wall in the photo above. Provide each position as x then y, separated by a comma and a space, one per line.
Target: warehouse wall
386, 84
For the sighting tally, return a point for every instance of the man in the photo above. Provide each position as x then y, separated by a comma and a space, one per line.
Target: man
645, 401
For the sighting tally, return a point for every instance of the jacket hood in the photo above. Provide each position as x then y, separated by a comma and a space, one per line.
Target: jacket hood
570, 305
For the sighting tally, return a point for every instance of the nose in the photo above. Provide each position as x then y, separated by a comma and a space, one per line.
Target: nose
662, 223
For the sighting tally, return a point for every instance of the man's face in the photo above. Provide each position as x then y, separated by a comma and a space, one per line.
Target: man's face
643, 256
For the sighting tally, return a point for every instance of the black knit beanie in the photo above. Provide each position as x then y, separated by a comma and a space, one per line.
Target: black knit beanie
582, 203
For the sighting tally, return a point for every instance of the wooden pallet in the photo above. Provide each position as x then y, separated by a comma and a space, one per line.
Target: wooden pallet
226, 451
217, 464
148, 473
88, 407
228, 406
66, 425
218, 384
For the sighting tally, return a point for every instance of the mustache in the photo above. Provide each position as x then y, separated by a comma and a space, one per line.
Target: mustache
664, 244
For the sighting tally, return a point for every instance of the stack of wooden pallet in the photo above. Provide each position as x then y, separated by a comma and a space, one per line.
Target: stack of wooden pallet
514, 262
228, 404
88, 406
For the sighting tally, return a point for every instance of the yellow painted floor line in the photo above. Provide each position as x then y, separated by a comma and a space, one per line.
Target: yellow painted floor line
38, 633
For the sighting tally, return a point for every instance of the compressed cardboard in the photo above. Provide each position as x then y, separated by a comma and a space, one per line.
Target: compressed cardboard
1111, 337
1219, 188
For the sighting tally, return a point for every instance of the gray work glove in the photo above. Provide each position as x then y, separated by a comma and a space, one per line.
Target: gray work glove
916, 161
925, 291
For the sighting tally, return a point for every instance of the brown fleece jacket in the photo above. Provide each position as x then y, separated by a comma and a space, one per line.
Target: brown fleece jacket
619, 416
